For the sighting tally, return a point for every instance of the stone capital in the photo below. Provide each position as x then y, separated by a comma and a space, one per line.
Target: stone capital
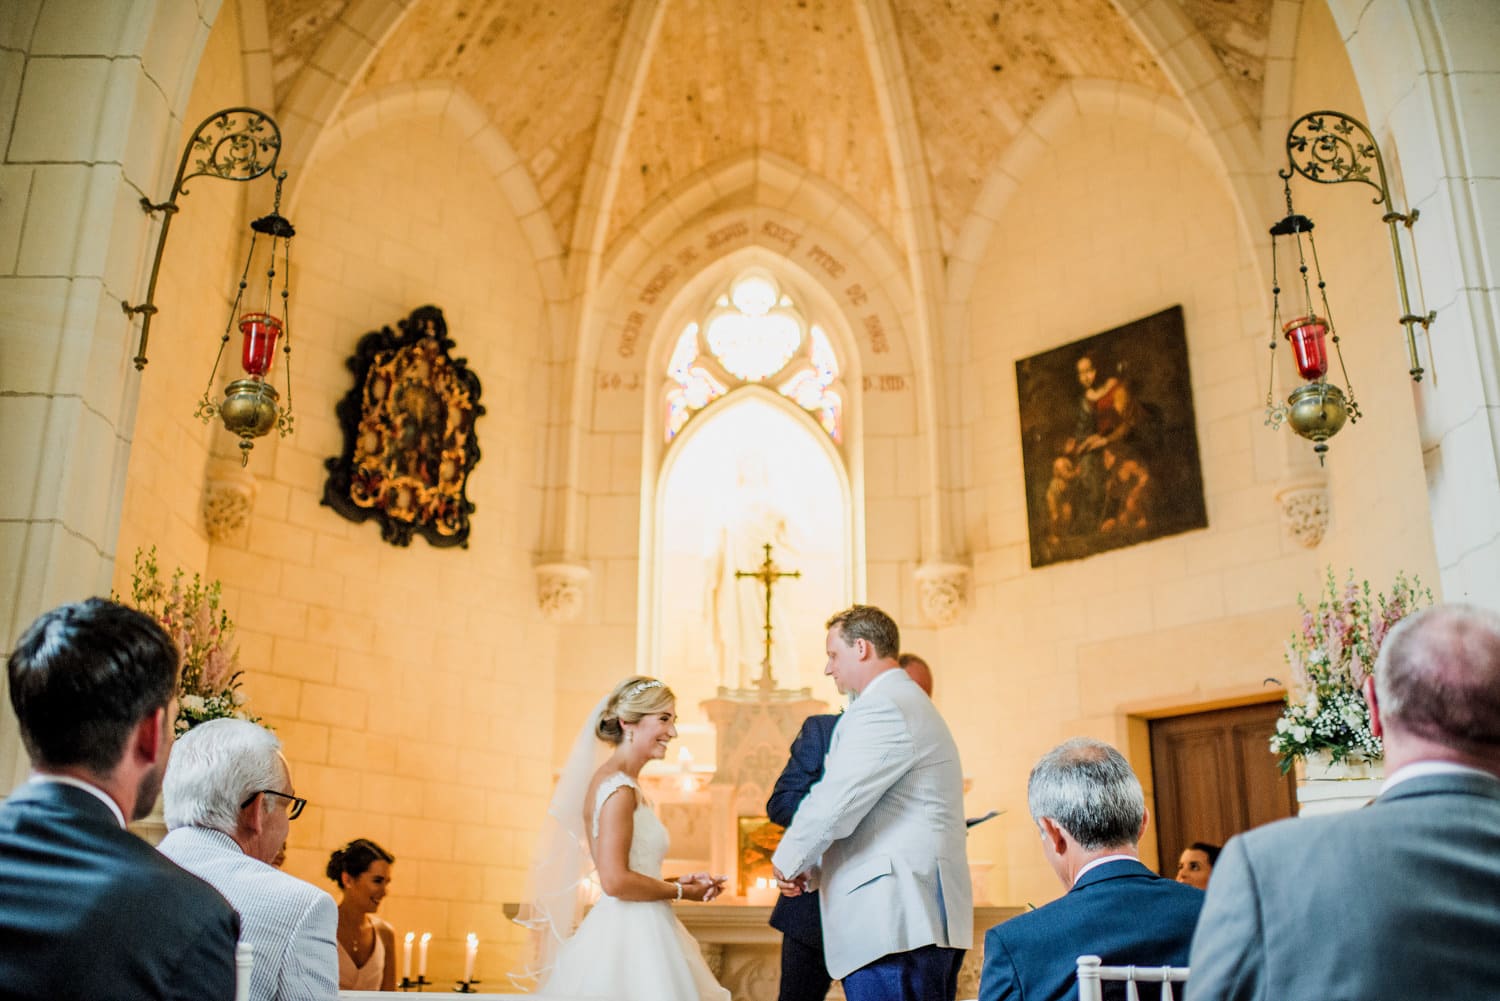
1305, 509
942, 590
560, 590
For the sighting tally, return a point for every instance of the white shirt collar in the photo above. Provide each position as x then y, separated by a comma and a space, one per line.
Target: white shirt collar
1103, 860
1420, 769
92, 790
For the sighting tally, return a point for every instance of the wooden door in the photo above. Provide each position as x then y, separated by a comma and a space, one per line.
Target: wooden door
1215, 776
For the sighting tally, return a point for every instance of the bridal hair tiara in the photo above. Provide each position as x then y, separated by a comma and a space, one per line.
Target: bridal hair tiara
640, 687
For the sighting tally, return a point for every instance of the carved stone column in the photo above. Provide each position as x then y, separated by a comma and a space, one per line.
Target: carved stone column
1305, 509
942, 592
560, 590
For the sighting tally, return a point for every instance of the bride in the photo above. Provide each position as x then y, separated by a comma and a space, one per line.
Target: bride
631, 946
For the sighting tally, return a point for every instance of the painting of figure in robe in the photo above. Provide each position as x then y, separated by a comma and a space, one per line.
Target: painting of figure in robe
1109, 442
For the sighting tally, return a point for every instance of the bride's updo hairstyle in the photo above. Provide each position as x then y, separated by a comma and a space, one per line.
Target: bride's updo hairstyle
632, 700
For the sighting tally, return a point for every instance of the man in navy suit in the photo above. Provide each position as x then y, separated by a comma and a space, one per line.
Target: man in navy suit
1091, 812
87, 909
804, 974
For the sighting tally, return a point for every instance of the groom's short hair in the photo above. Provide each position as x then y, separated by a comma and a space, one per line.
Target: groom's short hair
868, 623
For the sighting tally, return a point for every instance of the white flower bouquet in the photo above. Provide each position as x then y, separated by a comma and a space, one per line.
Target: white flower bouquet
1330, 656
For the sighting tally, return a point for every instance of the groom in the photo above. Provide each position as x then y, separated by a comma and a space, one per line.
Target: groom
882, 835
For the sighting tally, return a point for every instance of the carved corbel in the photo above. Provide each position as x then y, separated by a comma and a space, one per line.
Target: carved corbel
560, 591
942, 591
1305, 508
228, 498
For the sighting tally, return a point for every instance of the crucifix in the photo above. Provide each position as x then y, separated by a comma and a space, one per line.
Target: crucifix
768, 575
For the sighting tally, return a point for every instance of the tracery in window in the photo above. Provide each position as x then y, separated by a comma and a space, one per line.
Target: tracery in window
754, 333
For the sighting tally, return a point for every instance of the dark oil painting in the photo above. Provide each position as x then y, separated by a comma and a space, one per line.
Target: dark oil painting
1109, 443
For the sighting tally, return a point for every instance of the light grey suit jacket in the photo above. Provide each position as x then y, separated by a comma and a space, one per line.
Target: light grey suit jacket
289, 924
887, 823
1398, 900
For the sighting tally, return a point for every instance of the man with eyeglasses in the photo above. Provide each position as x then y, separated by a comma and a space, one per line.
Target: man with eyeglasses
87, 909
229, 803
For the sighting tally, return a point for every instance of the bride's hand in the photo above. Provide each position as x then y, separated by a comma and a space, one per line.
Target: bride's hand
693, 889
717, 886
701, 886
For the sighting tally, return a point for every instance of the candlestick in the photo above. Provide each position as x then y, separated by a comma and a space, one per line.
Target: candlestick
471, 952
406, 956
422, 954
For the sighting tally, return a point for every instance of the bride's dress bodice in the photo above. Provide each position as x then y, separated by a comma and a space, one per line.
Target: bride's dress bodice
633, 950
649, 842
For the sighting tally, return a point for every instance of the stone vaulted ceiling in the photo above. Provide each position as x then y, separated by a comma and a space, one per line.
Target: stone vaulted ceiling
730, 77
788, 77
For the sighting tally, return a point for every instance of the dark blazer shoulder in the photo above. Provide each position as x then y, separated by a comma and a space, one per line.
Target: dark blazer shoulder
819, 725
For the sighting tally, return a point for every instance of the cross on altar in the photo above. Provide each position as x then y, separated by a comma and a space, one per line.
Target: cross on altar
768, 575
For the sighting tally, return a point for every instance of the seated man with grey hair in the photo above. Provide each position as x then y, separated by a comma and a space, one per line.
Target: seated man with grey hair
1090, 810
1402, 898
228, 803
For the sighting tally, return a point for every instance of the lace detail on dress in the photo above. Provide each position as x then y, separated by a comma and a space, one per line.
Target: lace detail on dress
649, 843
607, 788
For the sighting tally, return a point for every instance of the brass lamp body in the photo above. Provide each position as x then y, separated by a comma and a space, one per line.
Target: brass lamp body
1317, 411
249, 409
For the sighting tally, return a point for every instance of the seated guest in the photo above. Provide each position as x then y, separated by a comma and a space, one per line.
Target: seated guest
367, 944
1196, 864
1402, 898
87, 909
228, 803
1091, 812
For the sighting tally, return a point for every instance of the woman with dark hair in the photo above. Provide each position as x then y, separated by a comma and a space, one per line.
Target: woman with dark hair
1197, 863
367, 944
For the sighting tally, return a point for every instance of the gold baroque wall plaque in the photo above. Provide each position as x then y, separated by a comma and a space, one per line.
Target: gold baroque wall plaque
409, 441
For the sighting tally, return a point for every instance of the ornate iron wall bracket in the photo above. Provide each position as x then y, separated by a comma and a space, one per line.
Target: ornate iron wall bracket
1330, 147
235, 144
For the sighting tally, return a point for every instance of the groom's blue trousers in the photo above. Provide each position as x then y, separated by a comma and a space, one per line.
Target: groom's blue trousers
926, 974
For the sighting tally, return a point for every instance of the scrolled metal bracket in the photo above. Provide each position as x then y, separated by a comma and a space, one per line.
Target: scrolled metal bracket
233, 144
1330, 147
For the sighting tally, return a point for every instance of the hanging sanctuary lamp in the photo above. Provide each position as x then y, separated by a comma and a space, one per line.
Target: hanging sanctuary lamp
1327, 147
238, 144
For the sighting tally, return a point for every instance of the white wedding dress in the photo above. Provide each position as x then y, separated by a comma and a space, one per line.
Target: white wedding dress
631, 950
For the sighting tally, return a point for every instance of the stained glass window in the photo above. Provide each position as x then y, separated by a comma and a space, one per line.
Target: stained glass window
754, 333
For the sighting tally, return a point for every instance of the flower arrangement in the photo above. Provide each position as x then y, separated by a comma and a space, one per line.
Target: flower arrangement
1331, 656
209, 686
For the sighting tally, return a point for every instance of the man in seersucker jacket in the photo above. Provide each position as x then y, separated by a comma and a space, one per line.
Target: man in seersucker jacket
882, 836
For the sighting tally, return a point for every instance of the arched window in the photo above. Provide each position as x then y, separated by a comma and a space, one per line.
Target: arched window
754, 333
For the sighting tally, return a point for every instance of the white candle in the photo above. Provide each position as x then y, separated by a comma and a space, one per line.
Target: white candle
422, 954
406, 956
470, 954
